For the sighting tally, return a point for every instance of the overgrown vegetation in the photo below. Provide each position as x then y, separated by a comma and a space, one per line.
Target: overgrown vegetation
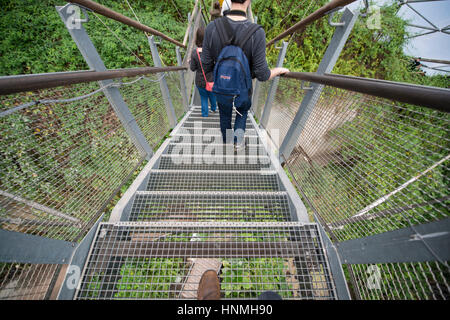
35, 40
368, 52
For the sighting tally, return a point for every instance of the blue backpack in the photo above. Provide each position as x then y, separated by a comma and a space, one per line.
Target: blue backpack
232, 77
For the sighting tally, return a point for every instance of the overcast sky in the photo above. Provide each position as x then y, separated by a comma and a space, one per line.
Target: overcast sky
433, 46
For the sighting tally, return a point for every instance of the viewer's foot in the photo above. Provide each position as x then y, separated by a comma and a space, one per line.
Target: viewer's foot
209, 286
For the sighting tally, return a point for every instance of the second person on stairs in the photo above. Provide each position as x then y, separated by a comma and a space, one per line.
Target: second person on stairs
200, 78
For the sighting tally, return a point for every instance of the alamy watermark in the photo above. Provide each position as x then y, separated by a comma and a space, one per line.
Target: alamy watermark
374, 279
373, 21
74, 17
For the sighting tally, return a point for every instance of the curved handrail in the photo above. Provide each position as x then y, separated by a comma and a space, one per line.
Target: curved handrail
430, 97
22, 83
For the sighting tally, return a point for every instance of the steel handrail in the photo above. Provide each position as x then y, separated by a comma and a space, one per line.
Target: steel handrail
430, 97
22, 83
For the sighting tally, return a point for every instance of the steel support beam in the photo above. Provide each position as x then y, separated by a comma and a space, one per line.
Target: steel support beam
335, 266
73, 275
420, 243
163, 84
312, 96
93, 59
182, 80
273, 87
20, 247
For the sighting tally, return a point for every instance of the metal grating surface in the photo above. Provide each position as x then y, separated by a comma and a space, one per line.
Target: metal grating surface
169, 180
209, 124
210, 117
213, 149
209, 139
219, 162
210, 131
161, 261
201, 206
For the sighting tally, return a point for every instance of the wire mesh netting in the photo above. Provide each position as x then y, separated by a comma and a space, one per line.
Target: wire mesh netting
258, 104
370, 165
146, 104
283, 110
160, 261
61, 162
20, 281
176, 95
367, 166
403, 281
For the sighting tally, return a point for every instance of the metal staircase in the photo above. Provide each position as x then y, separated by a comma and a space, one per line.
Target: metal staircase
197, 210
369, 158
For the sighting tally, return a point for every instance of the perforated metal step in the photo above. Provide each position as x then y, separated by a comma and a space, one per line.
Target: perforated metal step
209, 139
219, 162
210, 206
170, 180
209, 124
210, 131
161, 260
213, 149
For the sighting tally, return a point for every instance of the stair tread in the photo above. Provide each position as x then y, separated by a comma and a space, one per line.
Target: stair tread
157, 259
213, 180
207, 205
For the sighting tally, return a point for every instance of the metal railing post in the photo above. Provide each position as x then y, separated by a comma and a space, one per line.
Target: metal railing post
163, 84
273, 88
70, 16
312, 96
182, 80
255, 96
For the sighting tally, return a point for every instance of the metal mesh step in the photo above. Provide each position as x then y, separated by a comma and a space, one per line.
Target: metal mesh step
211, 131
164, 260
210, 139
170, 180
213, 149
207, 206
219, 162
209, 124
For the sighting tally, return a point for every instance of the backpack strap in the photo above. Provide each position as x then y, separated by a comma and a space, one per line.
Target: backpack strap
225, 31
226, 35
248, 33
201, 66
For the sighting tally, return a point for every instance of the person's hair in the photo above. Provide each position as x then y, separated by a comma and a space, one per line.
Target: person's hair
238, 1
199, 37
217, 5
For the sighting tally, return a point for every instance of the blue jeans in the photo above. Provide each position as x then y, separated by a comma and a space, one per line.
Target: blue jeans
226, 112
204, 96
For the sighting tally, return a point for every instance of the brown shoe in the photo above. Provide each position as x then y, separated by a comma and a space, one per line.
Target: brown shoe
209, 286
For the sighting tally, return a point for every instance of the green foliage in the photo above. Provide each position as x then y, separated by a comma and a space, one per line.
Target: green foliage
248, 278
367, 53
34, 39
149, 278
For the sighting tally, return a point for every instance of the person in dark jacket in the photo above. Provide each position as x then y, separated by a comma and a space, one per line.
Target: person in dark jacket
199, 75
255, 51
